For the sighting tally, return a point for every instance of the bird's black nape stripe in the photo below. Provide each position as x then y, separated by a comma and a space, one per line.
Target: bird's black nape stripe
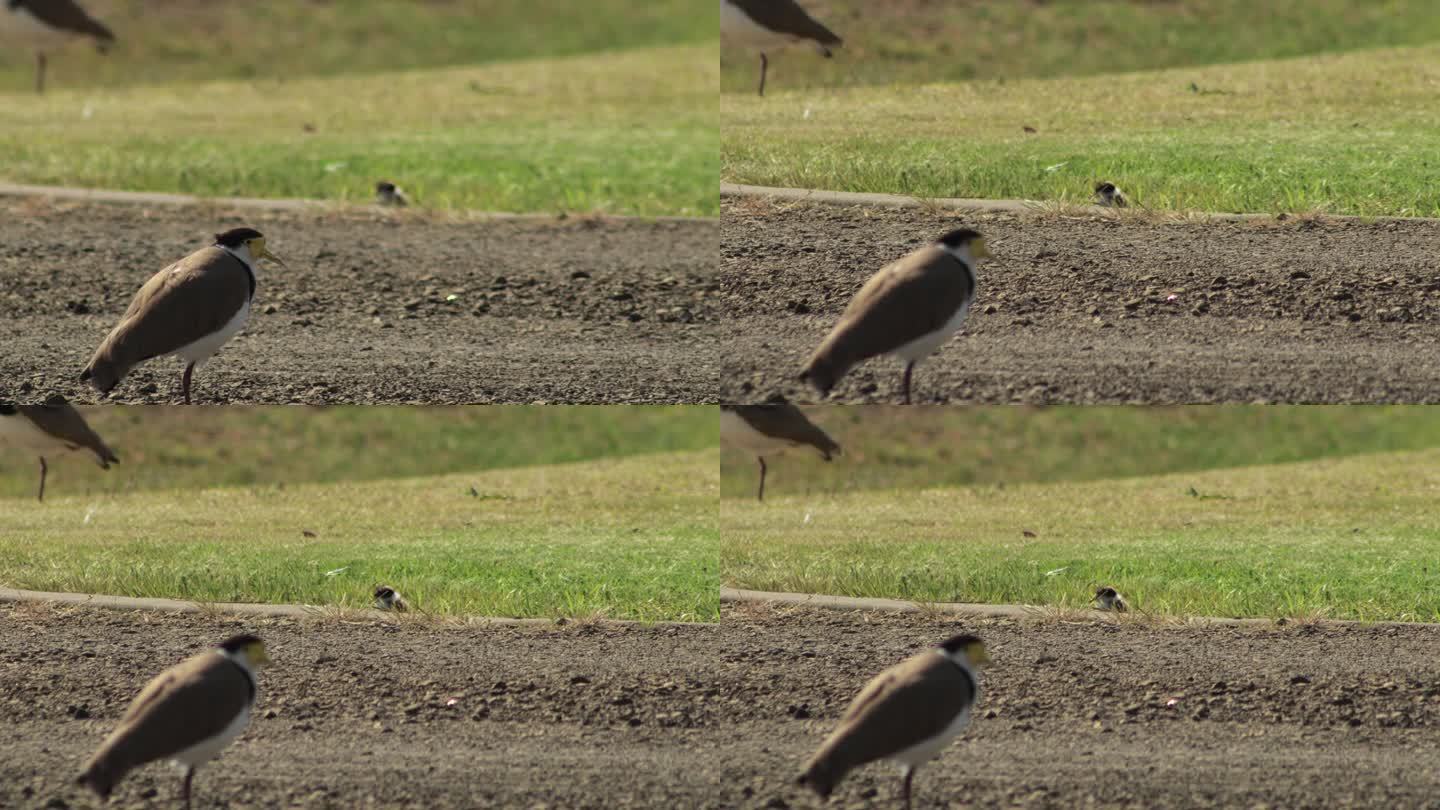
235, 237
8, 408
958, 237
237, 643
249, 678
958, 643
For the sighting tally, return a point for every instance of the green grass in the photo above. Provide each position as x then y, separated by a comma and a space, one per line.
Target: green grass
1350, 134
633, 132
900, 448
167, 41
625, 538
1354, 538
164, 447
909, 41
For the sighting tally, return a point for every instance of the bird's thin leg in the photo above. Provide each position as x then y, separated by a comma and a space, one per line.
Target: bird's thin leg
909, 367
760, 496
43, 470
185, 381
39, 71
185, 788
905, 788
764, 65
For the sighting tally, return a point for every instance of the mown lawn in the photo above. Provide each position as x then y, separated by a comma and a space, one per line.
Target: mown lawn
1354, 537
633, 537
169, 41
173, 447
893, 447
1353, 133
909, 42
631, 132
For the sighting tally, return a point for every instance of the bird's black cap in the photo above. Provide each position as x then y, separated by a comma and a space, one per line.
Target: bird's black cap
235, 237
961, 236
238, 643
960, 642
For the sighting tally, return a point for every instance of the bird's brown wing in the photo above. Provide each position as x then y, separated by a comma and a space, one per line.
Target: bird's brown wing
184, 705
905, 300
59, 418
903, 706
787, 17
165, 315
68, 16
782, 420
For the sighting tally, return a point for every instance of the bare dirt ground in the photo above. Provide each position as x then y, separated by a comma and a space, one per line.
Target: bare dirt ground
577, 310
355, 714
1080, 309
721, 716
1075, 714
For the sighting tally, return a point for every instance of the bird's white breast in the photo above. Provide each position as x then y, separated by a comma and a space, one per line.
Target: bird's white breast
736, 432
923, 752
206, 750
202, 349
925, 345
737, 27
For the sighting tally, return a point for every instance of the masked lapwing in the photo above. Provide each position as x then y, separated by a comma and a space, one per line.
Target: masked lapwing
767, 429
187, 714
389, 194
189, 309
1108, 195
49, 430
906, 714
387, 598
1107, 598
47, 24
768, 24
908, 309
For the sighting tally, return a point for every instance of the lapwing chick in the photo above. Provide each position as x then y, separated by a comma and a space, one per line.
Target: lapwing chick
187, 714
387, 598
1107, 598
50, 429
906, 714
767, 429
908, 309
1109, 196
190, 309
768, 24
49, 24
387, 193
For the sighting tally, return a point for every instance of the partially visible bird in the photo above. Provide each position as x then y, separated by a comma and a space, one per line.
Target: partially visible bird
769, 428
906, 714
387, 193
47, 24
189, 309
1109, 196
186, 714
52, 428
387, 598
909, 308
1107, 598
768, 24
